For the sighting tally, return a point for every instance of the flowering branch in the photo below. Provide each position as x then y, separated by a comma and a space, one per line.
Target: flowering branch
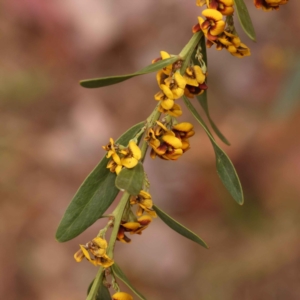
178, 76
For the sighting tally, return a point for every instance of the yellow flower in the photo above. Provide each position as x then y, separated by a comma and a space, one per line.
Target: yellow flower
127, 157
121, 296
169, 144
133, 227
132, 155
171, 86
212, 26
184, 131
175, 111
195, 79
97, 248
231, 43
268, 5
144, 200
225, 7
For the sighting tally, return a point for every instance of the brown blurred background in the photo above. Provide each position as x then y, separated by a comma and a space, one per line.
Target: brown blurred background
52, 130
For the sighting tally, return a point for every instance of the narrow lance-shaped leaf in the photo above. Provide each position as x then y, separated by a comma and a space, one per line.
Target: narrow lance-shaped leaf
179, 228
225, 168
93, 197
131, 180
105, 81
119, 273
245, 19
202, 99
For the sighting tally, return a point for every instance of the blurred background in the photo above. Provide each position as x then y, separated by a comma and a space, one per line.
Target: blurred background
52, 130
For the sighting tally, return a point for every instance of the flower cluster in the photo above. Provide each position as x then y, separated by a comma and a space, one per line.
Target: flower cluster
195, 81
268, 5
171, 84
169, 144
95, 252
127, 157
133, 227
213, 28
144, 202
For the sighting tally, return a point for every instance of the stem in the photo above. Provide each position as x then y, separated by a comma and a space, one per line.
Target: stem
188, 50
118, 212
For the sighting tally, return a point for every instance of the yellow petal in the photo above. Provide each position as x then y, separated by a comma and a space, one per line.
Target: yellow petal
172, 140
184, 126
146, 204
121, 296
159, 96
185, 145
180, 80
167, 103
131, 225
98, 252
161, 125
200, 2
166, 91
227, 2
177, 93
135, 150
144, 220
118, 169
85, 253
212, 14
144, 194
218, 28
78, 256
104, 261
100, 242
116, 158
164, 55
200, 77
129, 162
175, 111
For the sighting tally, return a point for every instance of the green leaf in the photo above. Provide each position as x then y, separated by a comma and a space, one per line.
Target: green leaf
90, 286
245, 19
179, 228
119, 273
202, 99
131, 180
103, 292
93, 197
105, 81
225, 168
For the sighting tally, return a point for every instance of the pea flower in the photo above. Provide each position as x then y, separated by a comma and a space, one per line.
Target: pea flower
175, 111
225, 7
133, 227
231, 43
125, 157
268, 5
144, 201
169, 144
95, 253
195, 79
212, 26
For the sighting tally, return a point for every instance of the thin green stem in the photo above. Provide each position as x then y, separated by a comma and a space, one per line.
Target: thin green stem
188, 50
